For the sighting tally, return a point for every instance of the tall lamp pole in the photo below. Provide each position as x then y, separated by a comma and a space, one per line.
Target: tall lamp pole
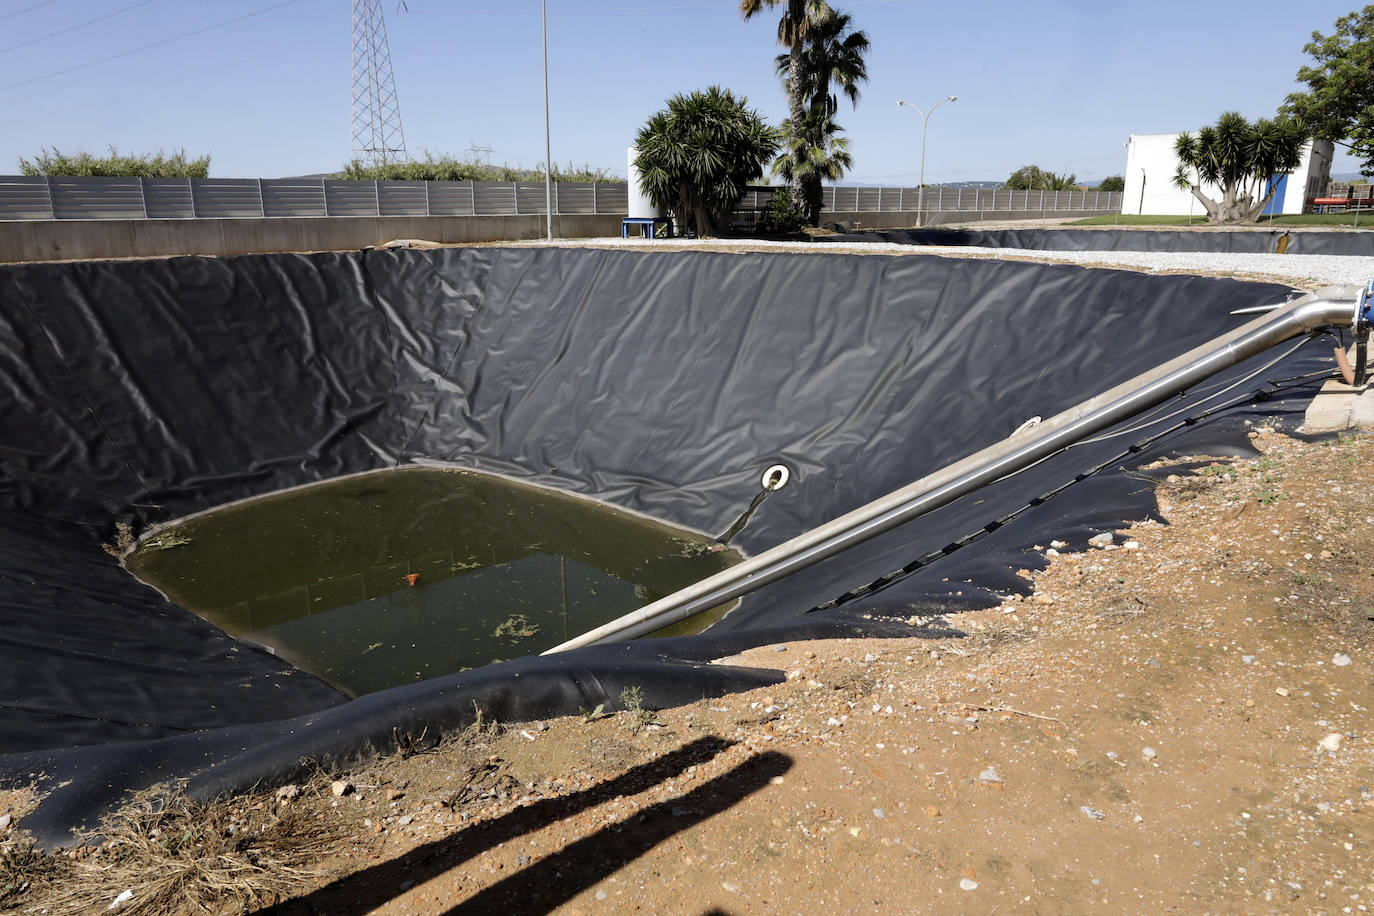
925, 119
548, 156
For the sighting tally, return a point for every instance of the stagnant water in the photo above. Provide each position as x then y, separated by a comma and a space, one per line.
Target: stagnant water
323, 574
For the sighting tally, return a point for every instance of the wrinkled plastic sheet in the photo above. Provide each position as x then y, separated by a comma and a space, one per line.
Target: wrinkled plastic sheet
666, 383
1251, 241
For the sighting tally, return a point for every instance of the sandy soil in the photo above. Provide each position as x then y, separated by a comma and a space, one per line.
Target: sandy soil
1176, 722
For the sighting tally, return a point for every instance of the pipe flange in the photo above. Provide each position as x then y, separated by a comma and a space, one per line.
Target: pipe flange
776, 477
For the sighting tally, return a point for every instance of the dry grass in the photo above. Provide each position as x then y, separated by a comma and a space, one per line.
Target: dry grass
176, 855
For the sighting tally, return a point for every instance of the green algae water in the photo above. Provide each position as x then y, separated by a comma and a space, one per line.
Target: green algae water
322, 575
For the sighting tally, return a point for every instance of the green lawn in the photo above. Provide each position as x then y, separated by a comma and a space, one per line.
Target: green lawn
1305, 219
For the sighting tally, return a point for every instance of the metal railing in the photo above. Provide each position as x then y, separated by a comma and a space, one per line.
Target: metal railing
41, 197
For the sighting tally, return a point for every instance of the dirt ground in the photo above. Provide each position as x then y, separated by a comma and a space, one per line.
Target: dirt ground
1174, 722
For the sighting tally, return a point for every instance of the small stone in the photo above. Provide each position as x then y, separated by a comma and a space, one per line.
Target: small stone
1249, 704
340, 787
1131, 545
1051, 552
870, 657
932, 811
522, 860
879, 814
1149, 753
779, 648
406, 820
1248, 659
1101, 540
1331, 742
968, 884
1092, 812
1058, 545
600, 895
1138, 819
1281, 691
123, 898
1340, 660
1325, 554
990, 775
809, 655
1042, 598
286, 793
394, 794
5, 821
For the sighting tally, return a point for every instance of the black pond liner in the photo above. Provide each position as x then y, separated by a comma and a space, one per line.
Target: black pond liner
140, 391
1248, 241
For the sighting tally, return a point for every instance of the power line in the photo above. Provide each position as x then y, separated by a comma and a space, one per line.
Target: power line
149, 47
27, 9
73, 28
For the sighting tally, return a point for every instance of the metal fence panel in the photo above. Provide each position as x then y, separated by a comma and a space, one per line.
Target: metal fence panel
575, 197
612, 197
494, 198
168, 198
24, 197
450, 198
350, 198
97, 198
228, 197
530, 197
293, 197
402, 198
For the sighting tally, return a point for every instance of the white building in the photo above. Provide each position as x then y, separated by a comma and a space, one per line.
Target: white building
1151, 165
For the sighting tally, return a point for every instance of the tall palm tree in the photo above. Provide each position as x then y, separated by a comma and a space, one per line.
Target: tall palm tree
832, 57
792, 29
812, 154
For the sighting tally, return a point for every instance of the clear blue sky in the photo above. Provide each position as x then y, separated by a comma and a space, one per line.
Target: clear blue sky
1058, 83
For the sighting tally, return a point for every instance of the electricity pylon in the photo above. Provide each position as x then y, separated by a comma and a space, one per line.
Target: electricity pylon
377, 135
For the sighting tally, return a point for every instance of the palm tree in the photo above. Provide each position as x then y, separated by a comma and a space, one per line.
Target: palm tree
1238, 157
811, 155
832, 56
698, 155
792, 29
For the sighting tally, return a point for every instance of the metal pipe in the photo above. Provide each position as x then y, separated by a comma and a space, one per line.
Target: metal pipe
1013, 454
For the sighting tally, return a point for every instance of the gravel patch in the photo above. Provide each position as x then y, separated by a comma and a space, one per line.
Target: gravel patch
1306, 270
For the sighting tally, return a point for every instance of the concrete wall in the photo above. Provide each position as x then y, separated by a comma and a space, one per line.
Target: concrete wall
49, 240
1151, 164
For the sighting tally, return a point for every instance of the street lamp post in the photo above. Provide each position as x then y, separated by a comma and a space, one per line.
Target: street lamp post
548, 155
925, 119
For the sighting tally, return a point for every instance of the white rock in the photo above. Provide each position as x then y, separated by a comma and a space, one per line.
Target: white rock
5, 821
340, 787
123, 898
1149, 753
968, 884
1331, 742
1092, 812
1051, 552
1131, 545
1058, 545
1341, 660
990, 775
1101, 540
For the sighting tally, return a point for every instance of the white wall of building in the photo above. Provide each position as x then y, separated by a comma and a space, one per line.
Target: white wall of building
1151, 164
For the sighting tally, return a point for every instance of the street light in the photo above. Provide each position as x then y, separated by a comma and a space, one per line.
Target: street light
548, 155
925, 118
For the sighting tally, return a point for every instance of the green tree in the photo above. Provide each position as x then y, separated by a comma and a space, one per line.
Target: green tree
815, 153
1339, 103
697, 156
1112, 183
832, 58
116, 165
1238, 157
792, 29
1033, 178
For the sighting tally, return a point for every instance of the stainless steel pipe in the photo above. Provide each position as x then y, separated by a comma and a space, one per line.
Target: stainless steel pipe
1326, 307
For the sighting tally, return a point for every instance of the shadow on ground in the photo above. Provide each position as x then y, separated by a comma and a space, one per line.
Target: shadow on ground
549, 882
